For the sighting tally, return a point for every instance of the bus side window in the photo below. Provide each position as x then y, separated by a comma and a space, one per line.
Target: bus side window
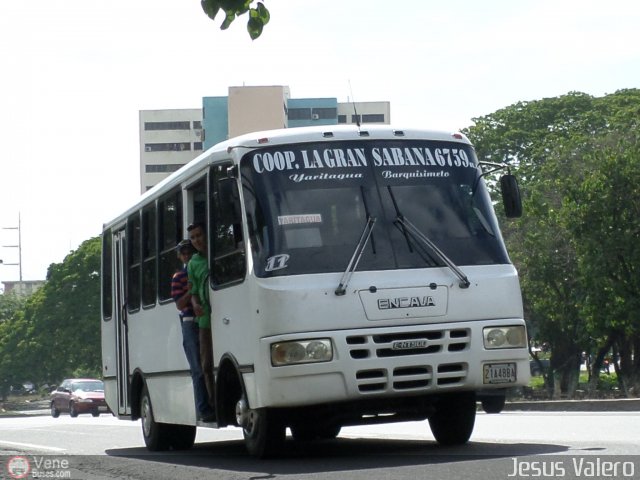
170, 233
133, 262
149, 248
228, 260
107, 265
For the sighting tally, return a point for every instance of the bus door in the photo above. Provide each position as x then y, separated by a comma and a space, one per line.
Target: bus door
121, 325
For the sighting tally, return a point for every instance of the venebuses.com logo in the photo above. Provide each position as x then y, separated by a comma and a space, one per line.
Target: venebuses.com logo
18, 467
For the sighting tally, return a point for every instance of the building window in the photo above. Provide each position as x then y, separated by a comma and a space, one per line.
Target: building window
299, 114
373, 118
197, 145
197, 125
342, 119
355, 118
167, 125
164, 168
324, 113
167, 147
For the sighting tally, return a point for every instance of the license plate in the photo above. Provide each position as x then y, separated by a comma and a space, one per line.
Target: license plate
499, 373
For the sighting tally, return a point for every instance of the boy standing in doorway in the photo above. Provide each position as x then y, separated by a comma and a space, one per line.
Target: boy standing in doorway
190, 331
198, 271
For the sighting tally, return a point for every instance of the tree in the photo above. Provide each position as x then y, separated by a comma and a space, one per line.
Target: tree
64, 316
13, 330
555, 144
258, 16
603, 214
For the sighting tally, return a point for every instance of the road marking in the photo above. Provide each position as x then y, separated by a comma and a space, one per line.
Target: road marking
32, 445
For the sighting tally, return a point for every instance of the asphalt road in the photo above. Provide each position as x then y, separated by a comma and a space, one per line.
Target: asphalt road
518, 443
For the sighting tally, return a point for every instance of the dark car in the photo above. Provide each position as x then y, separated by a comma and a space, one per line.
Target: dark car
79, 395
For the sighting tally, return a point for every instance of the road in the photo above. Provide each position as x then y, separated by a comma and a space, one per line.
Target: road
512, 442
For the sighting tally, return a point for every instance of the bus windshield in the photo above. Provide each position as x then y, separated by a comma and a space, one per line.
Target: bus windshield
307, 205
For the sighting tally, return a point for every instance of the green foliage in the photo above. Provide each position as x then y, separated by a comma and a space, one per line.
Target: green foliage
13, 331
603, 214
57, 332
578, 163
258, 16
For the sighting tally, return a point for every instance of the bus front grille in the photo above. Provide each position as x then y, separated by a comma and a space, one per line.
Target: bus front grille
410, 378
420, 374
408, 343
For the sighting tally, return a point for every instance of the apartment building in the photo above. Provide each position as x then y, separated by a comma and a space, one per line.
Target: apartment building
168, 140
172, 138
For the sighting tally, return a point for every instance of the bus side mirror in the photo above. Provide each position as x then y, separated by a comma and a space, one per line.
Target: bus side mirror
511, 196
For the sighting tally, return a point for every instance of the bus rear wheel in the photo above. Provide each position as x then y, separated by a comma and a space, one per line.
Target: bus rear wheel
263, 431
182, 436
157, 436
452, 422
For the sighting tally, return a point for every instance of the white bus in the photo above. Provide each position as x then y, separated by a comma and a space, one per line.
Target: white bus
357, 275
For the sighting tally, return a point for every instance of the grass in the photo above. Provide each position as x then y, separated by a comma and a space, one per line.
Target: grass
606, 382
21, 402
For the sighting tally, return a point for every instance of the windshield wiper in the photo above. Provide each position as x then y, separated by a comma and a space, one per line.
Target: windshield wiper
357, 254
415, 233
412, 230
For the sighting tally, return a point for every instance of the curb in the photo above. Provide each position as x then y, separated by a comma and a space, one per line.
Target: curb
614, 405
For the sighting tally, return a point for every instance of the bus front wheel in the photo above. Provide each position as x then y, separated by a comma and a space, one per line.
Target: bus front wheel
303, 432
263, 431
493, 404
157, 436
452, 422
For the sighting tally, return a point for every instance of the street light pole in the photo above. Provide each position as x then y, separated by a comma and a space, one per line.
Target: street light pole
18, 246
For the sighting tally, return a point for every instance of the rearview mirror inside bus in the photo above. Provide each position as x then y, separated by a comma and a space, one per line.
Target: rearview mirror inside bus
511, 196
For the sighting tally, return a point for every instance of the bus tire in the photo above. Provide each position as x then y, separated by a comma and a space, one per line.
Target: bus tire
453, 420
182, 436
329, 432
157, 436
263, 433
493, 404
302, 432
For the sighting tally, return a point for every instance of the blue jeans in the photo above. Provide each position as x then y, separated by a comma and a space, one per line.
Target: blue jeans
191, 344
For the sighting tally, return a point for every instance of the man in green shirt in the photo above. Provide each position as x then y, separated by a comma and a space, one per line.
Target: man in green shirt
198, 271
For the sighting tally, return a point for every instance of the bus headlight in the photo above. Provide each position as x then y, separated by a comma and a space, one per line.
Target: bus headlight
301, 351
504, 337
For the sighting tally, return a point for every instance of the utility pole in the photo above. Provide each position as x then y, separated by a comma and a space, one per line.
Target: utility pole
18, 246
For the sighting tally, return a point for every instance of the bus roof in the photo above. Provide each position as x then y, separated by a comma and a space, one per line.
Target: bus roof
236, 147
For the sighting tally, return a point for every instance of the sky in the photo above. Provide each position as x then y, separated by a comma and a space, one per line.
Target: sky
75, 73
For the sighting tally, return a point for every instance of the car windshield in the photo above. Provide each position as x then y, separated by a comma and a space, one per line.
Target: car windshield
88, 386
307, 205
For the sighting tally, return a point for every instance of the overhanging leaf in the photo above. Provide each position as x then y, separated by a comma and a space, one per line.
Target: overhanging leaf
228, 20
263, 13
210, 7
254, 26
